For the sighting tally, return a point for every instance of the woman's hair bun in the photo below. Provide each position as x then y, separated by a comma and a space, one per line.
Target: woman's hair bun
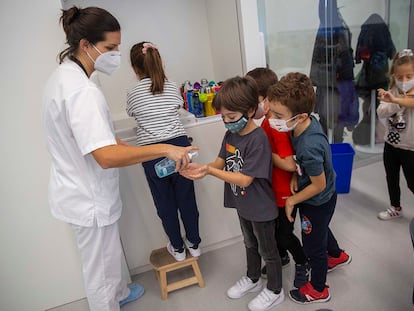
68, 16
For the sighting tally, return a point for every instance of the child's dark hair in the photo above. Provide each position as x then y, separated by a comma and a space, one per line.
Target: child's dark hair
264, 78
147, 63
89, 23
294, 91
237, 94
400, 58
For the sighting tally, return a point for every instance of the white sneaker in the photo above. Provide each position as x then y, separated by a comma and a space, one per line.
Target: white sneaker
266, 300
390, 213
195, 252
176, 254
244, 286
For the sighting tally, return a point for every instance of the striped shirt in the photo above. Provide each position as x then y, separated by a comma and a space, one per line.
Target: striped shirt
156, 115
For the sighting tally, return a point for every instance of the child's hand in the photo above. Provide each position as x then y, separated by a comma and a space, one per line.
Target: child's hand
179, 155
289, 209
385, 96
294, 184
194, 171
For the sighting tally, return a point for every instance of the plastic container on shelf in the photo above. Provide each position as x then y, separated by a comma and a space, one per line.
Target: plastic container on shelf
198, 107
342, 160
189, 96
208, 107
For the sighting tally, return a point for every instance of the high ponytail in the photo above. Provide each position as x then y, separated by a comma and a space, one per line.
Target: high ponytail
147, 62
155, 70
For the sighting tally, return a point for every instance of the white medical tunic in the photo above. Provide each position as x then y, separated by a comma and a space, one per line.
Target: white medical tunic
77, 122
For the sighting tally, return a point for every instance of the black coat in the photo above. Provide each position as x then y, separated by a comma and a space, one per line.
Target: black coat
374, 48
332, 52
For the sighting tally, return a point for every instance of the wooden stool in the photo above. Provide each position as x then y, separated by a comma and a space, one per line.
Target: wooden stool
163, 262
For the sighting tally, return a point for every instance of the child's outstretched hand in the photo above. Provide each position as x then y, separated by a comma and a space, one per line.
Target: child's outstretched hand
294, 184
385, 96
194, 171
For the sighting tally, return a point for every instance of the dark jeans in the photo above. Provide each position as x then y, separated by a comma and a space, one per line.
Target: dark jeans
286, 239
260, 242
173, 194
394, 159
318, 240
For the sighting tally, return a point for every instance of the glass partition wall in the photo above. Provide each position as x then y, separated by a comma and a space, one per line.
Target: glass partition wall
345, 47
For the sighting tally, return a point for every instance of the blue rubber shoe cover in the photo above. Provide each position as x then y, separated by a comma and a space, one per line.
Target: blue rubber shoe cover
136, 292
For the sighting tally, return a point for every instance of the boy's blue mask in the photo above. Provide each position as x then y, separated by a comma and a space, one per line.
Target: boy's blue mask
236, 126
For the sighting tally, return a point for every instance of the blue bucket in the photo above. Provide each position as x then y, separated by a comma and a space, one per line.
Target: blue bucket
342, 160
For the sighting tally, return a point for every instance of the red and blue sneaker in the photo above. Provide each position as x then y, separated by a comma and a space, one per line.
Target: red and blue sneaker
342, 260
307, 294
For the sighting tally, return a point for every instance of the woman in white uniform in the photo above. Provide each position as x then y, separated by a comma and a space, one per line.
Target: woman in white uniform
84, 183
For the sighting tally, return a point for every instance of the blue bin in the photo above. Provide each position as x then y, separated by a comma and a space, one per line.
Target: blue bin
342, 159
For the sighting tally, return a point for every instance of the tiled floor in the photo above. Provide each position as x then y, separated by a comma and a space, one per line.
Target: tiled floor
379, 278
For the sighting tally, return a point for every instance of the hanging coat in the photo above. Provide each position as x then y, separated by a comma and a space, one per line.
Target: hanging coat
333, 67
374, 48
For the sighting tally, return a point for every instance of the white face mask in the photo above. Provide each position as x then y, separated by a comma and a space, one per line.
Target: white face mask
260, 112
280, 124
405, 86
107, 62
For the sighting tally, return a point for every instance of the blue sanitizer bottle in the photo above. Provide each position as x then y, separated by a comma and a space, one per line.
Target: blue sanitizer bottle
190, 101
166, 166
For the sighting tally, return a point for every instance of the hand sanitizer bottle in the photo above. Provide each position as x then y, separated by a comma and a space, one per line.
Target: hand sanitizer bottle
166, 166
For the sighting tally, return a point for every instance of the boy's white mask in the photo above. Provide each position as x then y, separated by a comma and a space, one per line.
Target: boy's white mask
281, 126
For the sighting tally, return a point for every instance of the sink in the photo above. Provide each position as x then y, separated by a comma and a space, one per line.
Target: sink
128, 134
126, 128
123, 122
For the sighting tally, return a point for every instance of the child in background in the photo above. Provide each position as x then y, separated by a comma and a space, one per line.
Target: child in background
396, 109
291, 103
245, 164
154, 103
264, 78
283, 166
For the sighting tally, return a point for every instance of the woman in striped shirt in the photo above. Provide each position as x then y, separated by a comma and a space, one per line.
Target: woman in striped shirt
154, 103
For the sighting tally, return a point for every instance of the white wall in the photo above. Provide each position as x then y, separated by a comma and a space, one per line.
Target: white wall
183, 31
180, 33
252, 48
224, 38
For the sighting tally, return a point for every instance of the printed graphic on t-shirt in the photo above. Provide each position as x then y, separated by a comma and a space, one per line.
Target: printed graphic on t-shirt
394, 137
234, 163
396, 125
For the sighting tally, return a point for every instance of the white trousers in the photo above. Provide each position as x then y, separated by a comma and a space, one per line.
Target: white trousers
101, 253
